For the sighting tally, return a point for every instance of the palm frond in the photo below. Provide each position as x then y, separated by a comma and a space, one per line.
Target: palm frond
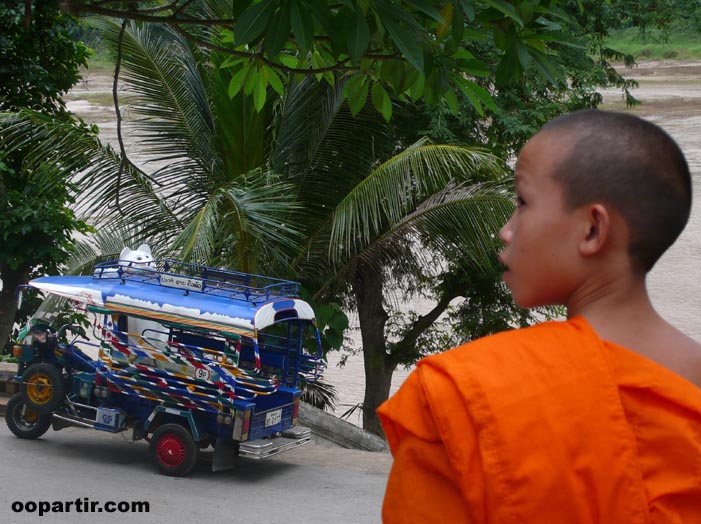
322, 148
79, 156
197, 240
459, 222
106, 244
395, 188
171, 111
259, 207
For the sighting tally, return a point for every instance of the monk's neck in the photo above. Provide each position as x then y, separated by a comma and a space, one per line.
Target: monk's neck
615, 309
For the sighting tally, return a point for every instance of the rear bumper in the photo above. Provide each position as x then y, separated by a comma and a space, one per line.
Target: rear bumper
267, 447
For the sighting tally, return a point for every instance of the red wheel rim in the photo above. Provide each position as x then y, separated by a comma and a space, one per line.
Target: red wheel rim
170, 450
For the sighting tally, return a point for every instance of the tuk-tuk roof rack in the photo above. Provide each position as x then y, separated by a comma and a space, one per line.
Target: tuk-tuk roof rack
198, 279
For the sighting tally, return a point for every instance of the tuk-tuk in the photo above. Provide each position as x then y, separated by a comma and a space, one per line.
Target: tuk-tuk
185, 356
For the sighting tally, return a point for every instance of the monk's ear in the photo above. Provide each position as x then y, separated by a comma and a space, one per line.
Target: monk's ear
597, 229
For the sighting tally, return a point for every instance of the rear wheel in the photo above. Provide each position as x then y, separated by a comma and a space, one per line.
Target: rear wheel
23, 421
43, 388
173, 450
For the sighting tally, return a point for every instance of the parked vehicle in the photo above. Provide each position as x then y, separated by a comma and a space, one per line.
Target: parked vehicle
187, 357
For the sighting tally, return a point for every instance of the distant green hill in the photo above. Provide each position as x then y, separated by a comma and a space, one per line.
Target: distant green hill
679, 43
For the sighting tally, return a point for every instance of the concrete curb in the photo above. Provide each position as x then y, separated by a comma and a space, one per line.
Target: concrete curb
326, 428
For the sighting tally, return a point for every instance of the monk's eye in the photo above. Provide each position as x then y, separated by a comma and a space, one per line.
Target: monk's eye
520, 202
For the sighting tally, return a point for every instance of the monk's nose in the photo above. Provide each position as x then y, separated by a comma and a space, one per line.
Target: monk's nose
506, 233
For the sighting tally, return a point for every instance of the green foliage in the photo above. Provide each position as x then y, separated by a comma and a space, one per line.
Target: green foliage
413, 49
518, 110
36, 225
54, 311
682, 43
485, 308
319, 394
39, 61
331, 321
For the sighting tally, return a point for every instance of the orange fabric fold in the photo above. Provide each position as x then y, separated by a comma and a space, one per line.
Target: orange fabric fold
547, 424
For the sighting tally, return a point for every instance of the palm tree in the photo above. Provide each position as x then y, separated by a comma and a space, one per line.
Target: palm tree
379, 217
301, 189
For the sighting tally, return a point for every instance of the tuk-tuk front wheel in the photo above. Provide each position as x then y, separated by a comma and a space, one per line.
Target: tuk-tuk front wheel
23, 421
173, 450
42, 388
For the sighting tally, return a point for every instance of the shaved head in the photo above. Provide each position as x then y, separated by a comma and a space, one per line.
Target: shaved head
631, 165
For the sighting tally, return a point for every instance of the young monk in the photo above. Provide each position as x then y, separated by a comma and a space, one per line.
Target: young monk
596, 419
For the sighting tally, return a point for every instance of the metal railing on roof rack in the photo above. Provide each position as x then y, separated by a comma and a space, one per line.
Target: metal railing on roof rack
200, 279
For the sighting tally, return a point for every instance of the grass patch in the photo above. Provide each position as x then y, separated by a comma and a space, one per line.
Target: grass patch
101, 62
678, 45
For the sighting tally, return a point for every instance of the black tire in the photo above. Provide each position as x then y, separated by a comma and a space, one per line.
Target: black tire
173, 450
43, 388
23, 421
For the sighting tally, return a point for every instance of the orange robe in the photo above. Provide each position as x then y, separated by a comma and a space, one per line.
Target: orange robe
548, 424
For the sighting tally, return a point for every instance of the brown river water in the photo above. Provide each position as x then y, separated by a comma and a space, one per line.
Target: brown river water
671, 96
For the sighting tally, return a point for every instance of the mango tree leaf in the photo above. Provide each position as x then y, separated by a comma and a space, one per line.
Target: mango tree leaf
428, 8
253, 22
278, 31
259, 95
358, 37
288, 60
251, 80
381, 100
468, 8
417, 88
473, 35
452, 100
237, 81
275, 81
334, 338
232, 61
457, 28
239, 7
471, 96
523, 56
526, 12
509, 68
322, 14
302, 27
474, 68
407, 42
357, 92
547, 67
505, 8
447, 14
480, 92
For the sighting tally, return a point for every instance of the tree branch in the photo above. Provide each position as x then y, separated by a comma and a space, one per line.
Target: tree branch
258, 55
406, 347
176, 22
145, 15
115, 100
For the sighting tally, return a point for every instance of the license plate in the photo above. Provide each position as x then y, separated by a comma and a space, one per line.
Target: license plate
273, 417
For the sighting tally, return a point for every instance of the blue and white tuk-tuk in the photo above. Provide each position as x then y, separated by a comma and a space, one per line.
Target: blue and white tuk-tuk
185, 356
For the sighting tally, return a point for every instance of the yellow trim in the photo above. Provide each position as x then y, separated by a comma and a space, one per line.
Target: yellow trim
214, 326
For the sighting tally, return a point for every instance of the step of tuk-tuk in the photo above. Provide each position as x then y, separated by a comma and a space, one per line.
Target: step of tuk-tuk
267, 447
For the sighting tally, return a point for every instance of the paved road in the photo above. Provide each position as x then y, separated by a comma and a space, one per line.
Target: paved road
307, 485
